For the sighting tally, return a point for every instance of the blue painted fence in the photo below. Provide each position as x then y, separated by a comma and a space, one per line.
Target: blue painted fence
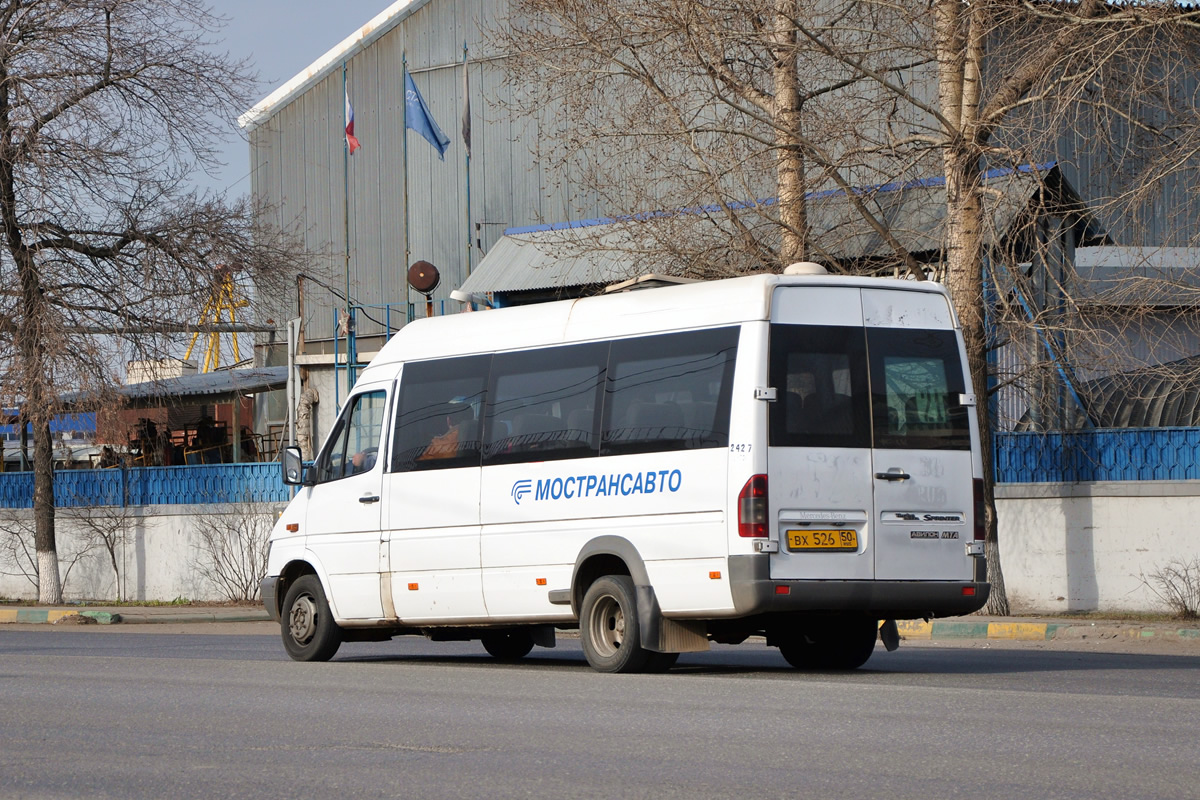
146, 486
1106, 454
1115, 454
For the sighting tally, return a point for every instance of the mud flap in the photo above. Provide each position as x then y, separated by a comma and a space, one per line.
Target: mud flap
662, 635
889, 635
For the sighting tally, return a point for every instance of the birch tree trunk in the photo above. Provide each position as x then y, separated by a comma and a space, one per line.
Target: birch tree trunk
789, 157
959, 52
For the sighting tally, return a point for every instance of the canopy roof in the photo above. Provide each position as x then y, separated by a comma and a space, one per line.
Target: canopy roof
222, 386
603, 251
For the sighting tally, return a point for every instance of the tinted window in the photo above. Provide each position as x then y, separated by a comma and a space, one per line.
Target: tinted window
440, 410
353, 446
669, 392
916, 380
543, 404
820, 376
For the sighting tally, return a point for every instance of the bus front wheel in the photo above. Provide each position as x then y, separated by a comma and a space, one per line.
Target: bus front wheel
309, 632
608, 626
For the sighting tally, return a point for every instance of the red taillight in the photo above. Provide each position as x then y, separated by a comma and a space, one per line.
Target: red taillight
752, 508
968, 591
980, 511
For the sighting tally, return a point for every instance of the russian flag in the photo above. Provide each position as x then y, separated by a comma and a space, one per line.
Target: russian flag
351, 140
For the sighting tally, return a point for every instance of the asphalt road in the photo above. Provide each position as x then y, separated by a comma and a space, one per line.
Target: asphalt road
90, 713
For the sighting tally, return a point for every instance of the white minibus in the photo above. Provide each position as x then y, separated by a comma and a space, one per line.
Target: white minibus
791, 456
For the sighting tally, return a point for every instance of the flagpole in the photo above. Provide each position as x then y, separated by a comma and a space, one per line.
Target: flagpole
346, 216
351, 354
466, 141
409, 312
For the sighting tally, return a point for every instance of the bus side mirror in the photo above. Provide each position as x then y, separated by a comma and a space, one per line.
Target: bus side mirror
293, 467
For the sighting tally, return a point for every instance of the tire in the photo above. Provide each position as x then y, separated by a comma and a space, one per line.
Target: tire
840, 644
660, 662
508, 645
608, 626
309, 632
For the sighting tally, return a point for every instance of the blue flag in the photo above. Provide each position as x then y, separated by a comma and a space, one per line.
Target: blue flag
417, 117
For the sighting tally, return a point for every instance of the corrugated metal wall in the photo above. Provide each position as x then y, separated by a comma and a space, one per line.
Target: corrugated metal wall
299, 167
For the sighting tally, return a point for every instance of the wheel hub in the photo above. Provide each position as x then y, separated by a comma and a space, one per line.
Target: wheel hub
302, 622
608, 626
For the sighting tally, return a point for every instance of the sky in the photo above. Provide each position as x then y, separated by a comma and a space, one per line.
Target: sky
281, 37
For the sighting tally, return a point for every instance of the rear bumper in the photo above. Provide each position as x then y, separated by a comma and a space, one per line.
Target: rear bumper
755, 592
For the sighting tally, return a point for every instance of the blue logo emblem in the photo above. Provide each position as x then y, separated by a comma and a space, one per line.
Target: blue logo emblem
521, 488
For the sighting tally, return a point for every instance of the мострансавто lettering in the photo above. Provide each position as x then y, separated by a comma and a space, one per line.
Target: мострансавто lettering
651, 482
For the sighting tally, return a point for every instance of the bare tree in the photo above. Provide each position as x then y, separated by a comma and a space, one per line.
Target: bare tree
739, 111
107, 529
18, 557
232, 549
106, 107
714, 109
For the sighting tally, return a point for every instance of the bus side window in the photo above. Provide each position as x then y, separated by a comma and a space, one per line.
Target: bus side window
669, 392
543, 404
438, 416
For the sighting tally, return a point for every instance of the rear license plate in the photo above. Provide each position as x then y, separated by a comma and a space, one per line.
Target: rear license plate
822, 540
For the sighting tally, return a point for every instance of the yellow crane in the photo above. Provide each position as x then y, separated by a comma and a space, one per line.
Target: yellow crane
221, 300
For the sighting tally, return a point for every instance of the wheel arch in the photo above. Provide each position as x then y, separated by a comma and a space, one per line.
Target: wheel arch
293, 570
605, 555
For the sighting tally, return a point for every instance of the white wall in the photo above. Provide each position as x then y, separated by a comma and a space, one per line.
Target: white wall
161, 557
1087, 546
1074, 547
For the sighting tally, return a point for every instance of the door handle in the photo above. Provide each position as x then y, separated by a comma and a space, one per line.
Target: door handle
369, 498
893, 474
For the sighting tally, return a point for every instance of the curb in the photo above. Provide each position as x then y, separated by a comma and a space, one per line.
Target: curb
135, 616
28, 616
1039, 631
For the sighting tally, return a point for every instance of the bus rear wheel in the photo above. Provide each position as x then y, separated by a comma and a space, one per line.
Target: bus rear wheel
508, 645
838, 644
309, 632
608, 626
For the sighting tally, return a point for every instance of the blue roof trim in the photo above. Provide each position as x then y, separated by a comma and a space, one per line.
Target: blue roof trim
712, 208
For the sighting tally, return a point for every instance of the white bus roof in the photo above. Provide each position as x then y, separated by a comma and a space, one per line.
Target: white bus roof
702, 304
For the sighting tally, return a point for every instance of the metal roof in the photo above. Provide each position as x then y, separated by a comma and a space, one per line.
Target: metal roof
603, 251
383, 22
215, 387
578, 255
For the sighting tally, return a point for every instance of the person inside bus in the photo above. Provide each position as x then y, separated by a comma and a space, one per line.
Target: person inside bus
800, 387
363, 461
445, 443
